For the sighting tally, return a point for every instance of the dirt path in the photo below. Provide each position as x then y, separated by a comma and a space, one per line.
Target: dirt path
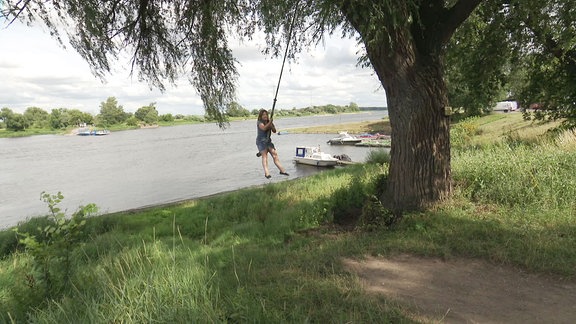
467, 291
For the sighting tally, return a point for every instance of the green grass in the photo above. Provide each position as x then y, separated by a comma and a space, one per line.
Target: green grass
28, 132
272, 255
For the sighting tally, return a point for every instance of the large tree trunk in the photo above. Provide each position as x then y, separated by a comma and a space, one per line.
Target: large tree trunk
420, 171
404, 42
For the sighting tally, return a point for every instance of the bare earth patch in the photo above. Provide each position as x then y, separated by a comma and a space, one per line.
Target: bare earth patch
467, 291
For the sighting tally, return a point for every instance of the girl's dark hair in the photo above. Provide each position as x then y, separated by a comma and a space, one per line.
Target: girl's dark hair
261, 112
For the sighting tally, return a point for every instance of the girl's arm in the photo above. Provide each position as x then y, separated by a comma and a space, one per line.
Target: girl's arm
267, 126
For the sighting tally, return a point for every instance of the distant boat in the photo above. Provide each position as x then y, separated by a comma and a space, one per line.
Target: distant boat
375, 143
314, 156
92, 132
344, 138
369, 136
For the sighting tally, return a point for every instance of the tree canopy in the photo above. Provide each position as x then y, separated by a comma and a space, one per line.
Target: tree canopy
147, 114
407, 43
525, 50
111, 112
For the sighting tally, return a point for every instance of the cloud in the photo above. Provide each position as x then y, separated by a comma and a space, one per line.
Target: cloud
37, 71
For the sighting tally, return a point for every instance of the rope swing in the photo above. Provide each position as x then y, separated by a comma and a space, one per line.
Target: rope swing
284, 60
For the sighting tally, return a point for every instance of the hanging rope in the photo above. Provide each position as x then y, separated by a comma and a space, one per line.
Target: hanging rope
284, 60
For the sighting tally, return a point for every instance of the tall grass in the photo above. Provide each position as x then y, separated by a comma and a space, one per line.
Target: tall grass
526, 176
238, 257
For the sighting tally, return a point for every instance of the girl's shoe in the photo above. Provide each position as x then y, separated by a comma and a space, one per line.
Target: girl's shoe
268, 176
284, 173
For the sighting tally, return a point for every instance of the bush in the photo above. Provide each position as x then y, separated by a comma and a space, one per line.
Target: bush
374, 215
462, 133
50, 247
347, 203
378, 157
132, 121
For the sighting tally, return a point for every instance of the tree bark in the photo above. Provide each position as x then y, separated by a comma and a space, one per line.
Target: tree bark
407, 56
420, 171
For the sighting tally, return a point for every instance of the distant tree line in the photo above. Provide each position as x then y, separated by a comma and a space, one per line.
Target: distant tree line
111, 113
315, 110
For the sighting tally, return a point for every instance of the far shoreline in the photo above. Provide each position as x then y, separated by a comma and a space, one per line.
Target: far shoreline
382, 127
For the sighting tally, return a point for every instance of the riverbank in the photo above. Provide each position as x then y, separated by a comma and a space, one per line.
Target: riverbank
244, 256
372, 127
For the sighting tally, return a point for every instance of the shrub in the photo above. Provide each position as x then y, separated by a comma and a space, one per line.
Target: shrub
374, 215
50, 247
462, 133
347, 203
378, 156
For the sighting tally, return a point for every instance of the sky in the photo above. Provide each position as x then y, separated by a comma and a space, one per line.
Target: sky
35, 71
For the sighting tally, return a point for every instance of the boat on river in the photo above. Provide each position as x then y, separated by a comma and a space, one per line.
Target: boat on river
344, 138
92, 132
314, 156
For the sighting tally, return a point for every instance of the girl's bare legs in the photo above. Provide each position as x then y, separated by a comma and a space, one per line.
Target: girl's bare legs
277, 160
265, 162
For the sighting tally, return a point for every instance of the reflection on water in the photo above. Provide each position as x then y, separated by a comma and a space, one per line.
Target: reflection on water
137, 168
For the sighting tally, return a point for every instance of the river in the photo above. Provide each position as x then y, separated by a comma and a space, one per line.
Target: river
145, 167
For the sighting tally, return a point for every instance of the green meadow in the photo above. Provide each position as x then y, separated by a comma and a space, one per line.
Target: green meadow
273, 254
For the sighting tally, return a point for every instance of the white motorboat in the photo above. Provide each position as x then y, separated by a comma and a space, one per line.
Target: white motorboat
314, 156
344, 138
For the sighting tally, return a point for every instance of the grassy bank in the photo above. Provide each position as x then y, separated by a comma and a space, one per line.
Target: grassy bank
382, 127
273, 254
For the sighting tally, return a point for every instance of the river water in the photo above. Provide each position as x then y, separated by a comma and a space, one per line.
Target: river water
146, 167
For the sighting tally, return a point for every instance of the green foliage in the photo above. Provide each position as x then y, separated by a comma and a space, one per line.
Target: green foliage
167, 118
59, 119
314, 110
51, 248
462, 133
347, 202
234, 109
111, 113
9, 239
522, 175
525, 52
378, 156
38, 117
62, 118
5, 113
132, 121
147, 114
16, 122
77, 117
375, 216
476, 63
194, 118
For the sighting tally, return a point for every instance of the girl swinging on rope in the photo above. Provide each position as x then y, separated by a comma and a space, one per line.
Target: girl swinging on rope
265, 145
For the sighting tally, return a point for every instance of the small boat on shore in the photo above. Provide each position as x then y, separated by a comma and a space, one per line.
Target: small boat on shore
370, 136
92, 132
375, 143
314, 156
344, 138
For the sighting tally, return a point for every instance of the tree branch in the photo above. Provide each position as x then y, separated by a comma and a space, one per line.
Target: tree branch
20, 10
455, 16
